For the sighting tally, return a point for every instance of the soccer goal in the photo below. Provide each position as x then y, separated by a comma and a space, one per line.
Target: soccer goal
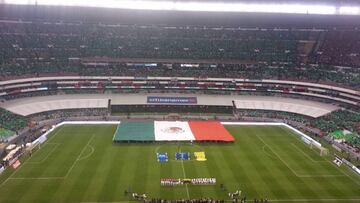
322, 150
33, 148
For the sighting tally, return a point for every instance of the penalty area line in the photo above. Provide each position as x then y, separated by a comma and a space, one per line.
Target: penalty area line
21, 165
79, 156
44, 159
292, 170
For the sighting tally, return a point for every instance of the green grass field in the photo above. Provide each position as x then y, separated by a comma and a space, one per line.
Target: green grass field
79, 163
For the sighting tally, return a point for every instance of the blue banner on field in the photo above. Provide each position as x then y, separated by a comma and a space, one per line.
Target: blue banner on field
162, 157
171, 100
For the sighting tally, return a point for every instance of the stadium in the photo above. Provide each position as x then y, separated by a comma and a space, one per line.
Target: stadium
180, 101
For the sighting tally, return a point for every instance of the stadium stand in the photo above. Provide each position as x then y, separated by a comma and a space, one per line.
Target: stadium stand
5, 134
11, 121
86, 64
339, 120
107, 49
65, 69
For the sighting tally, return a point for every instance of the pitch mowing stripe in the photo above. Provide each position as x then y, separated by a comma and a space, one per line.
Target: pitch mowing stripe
240, 174
348, 170
140, 172
203, 169
293, 184
153, 177
100, 161
264, 169
294, 180
78, 157
47, 155
236, 169
183, 169
114, 185
81, 175
97, 160
213, 169
109, 168
305, 167
135, 168
74, 149
123, 172
321, 168
327, 185
30, 192
282, 160
16, 171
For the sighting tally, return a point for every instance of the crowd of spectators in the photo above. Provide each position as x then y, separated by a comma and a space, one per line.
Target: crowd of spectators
339, 47
41, 48
60, 40
67, 113
337, 120
312, 73
11, 121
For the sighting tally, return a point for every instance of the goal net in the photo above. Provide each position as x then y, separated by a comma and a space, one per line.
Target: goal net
322, 150
33, 148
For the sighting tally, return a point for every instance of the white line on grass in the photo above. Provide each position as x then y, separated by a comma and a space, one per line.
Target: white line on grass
11, 176
42, 160
267, 153
40, 178
292, 170
309, 157
78, 157
187, 189
183, 169
344, 173
88, 155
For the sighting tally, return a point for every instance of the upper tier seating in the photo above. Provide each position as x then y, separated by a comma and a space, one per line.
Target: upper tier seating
41, 48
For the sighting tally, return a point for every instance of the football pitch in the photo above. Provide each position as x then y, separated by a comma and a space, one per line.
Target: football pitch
80, 163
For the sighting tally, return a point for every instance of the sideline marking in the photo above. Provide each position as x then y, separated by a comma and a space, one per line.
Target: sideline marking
78, 157
309, 157
183, 169
267, 153
88, 155
292, 170
44, 159
16, 170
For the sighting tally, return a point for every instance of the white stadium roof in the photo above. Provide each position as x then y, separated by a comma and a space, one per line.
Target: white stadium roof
240, 7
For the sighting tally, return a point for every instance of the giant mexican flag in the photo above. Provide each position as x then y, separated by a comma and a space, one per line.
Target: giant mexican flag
172, 131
